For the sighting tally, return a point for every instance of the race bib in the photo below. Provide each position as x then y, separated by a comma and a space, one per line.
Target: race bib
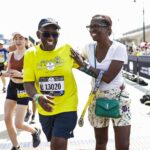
2, 59
22, 94
52, 85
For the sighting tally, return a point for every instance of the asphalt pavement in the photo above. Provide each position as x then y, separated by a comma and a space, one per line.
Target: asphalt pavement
84, 136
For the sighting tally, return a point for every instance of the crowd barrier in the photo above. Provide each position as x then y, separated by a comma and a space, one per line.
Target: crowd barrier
139, 66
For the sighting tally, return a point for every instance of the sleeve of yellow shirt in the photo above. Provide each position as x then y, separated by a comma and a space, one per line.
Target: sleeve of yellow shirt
75, 65
28, 68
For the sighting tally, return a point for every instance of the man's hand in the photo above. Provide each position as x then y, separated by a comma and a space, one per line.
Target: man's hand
45, 101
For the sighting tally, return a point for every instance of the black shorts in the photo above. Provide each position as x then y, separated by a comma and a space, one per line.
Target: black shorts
16, 92
1, 66
60, 125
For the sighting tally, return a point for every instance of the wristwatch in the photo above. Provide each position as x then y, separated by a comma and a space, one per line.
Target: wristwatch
88, 66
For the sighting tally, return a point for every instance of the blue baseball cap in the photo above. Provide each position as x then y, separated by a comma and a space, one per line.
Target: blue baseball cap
48, 21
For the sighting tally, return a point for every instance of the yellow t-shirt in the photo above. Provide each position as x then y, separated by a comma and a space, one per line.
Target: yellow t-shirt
52, 73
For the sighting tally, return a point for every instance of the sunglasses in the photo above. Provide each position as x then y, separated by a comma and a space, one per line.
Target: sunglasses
96, 26
47, 34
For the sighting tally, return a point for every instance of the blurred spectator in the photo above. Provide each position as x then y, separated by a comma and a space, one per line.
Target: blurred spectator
130, 50
3, 63
142, 50
12, 47
28, 43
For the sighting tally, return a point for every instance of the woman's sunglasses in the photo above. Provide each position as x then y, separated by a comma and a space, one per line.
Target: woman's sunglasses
47, 34
90, 27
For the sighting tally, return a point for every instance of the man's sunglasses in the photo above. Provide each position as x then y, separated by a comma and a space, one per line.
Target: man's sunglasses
47, 34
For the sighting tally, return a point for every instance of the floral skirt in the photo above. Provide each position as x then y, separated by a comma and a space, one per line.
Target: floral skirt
125, 101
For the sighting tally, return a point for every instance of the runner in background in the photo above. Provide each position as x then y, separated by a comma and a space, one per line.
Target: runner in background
17, 99
29, 113
3, 63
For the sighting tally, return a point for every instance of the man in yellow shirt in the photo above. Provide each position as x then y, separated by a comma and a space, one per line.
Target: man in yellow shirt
49, 80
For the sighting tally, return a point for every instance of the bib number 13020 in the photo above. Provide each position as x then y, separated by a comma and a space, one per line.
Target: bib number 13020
52, 85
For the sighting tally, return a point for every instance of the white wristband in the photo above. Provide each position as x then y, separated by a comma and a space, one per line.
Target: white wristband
88, 66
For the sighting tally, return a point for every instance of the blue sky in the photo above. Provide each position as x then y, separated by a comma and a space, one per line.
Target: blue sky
72, 15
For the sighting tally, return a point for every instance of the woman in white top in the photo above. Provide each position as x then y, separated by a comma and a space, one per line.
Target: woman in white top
109, 56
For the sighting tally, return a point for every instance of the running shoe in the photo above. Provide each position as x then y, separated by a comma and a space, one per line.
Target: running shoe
36, 137
4, 90
16, 148
32, 119
28, 114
